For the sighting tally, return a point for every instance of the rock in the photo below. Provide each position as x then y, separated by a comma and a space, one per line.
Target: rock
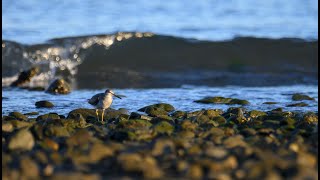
162, 146
20, 124
18, 115
59, 86
255, 113
133, 162
86, 113
211, 113
310, 117
134, 124
163, 127
179, 114
7, 127
74, 176
270, 103
25, 77
299, 97
163, 106
31, 114
234, 141
135, 115
48, 116
194, 171
186, 134
301, 104
22, 140
216, 152
29, 169
222, 100
188, 125
220, 120
44, 104
50, 144
56, 131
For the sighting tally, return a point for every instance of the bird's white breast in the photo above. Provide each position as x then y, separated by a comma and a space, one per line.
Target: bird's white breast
106, 102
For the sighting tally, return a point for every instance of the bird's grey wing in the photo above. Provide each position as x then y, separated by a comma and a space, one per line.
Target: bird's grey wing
95, 99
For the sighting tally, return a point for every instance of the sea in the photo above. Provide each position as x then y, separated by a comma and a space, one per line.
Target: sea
59, 36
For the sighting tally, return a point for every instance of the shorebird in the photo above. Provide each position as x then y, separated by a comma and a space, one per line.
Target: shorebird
102, 101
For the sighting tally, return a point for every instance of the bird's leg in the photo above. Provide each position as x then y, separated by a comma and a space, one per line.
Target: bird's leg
97, 113
102, 113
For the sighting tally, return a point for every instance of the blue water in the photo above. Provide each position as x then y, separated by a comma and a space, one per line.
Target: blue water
181, 98
35, 21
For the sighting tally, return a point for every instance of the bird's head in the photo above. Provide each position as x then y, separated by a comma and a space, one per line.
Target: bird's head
108, 91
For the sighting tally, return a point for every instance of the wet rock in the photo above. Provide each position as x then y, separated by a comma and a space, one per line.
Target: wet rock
163, 106
195, 171
216, 152
135, 115
59, 86
48, 116
37, 88
186, 134
163, 127
179, 114
96, 152
31, 113
20, 124
29, 169
74, 176
50, 144
134, 124
299, 97
234, 141
25, 77
56, 131
248, 132
255, 113
188, 125
270, 103
222, 100
7, 127
44, 104
301, 104
162, 146
211, 113
310, 117
86, 113
22, 140
133, 162
18, 115
220, 120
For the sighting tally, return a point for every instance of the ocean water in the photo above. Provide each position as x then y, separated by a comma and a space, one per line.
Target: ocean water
36, 21
181, 98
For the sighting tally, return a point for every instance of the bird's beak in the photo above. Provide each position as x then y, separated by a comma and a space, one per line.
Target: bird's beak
117, 96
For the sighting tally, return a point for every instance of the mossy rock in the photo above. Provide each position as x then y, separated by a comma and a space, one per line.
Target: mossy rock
239, 101
179, 114
20, 124
164, 106
299, 97
288, 121
48, 116
155, 111
163, 127
222, 100
211, 113
43, 104
256, 113
188, 125
18, 115
301, 104
134, 124
56, 131
214, 100
220, 120
310, 117
85, 113
121, 135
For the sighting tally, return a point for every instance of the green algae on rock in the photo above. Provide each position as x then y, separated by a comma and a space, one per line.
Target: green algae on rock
44, 104
299, 97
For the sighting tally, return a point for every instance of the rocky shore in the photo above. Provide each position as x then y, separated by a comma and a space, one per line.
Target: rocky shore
161, 142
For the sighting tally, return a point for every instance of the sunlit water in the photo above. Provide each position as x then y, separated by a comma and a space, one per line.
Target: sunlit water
35, 21
181, 98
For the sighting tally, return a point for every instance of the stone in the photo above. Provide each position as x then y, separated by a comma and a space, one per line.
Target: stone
44, 104
29, 169
18, 115
301, 104
299, 97
163, 127
22, 140
59, 86
25, 77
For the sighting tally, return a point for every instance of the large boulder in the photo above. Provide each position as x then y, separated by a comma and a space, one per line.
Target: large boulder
25, 77
59, 86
